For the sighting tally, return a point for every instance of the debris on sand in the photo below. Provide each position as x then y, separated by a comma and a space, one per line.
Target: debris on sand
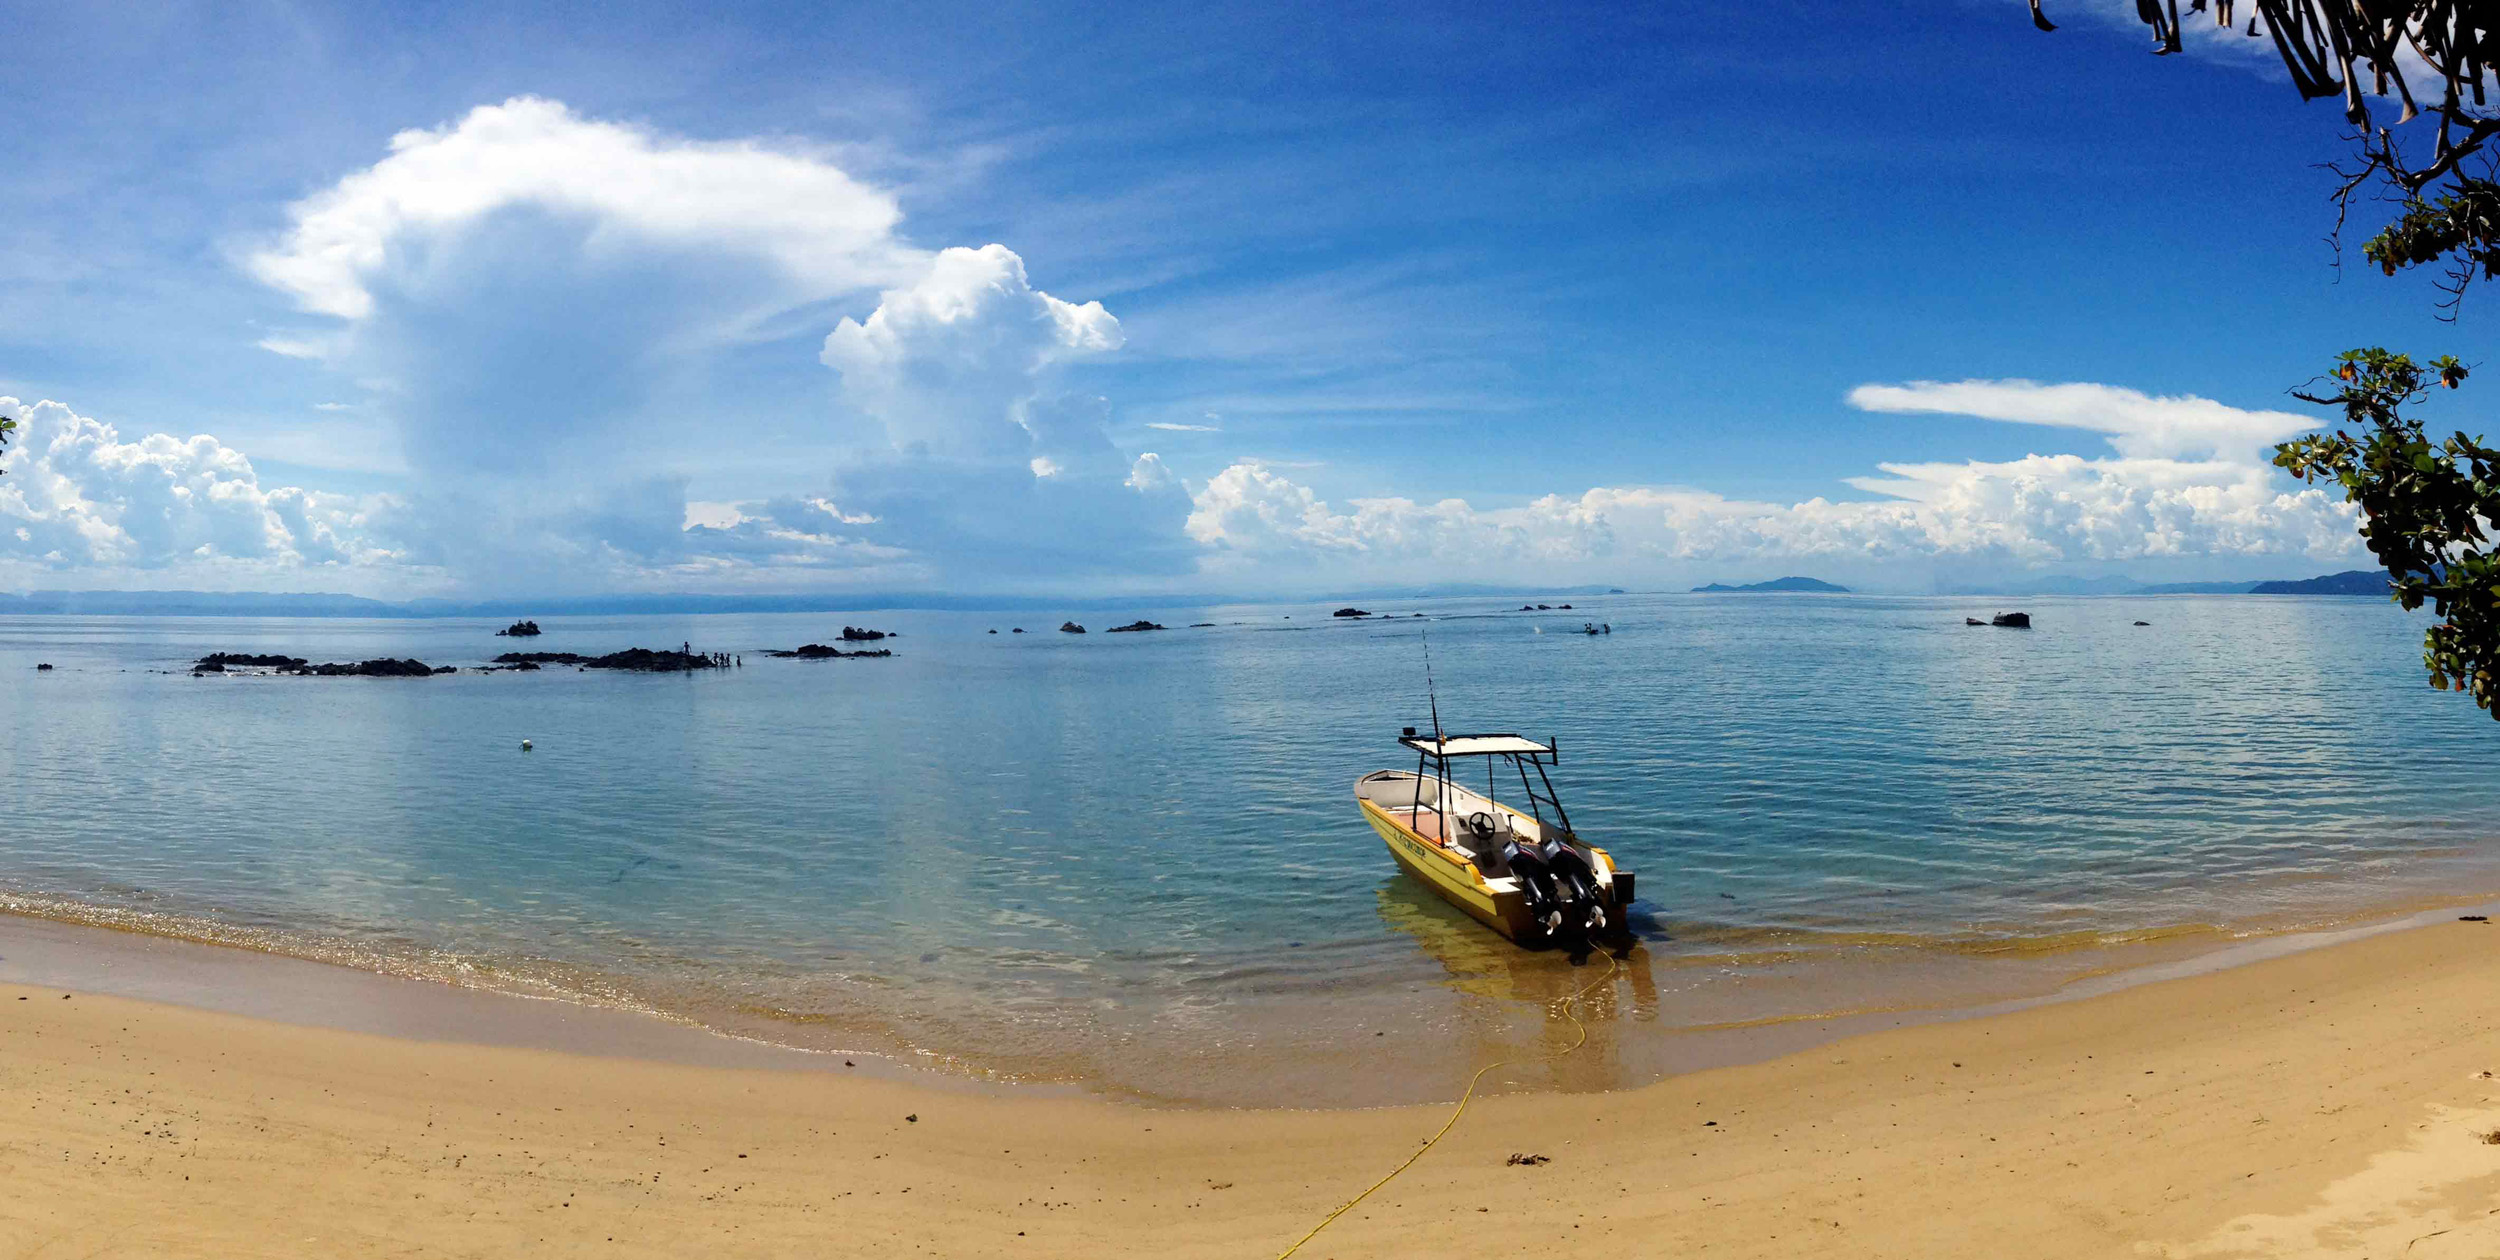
1519, 1160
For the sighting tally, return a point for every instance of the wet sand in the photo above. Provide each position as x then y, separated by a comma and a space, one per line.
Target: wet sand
2329, 1102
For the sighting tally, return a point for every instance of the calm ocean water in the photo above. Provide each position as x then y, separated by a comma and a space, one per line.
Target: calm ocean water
1133, 860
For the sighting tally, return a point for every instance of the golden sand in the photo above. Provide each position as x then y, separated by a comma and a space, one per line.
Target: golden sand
2333, 1102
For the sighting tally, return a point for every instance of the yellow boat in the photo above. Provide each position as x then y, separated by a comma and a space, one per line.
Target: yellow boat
1523, 874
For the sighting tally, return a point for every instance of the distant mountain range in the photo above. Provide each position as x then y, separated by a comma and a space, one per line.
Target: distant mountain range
1775, 585
2353, 582
2350, 582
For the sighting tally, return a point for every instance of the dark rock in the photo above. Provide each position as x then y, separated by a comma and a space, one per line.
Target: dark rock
821, 652
1349, 612
1545, 608
535, 659
854, 634
2144, 623
381, 667
446, 669
520, 630
1527, 608
1017, 630
1195, 625
1566, 608
523, 666
993, 632
42, 667
1070, 627
1133, 627
644, 660
2011, 621
1973, 621
216, 662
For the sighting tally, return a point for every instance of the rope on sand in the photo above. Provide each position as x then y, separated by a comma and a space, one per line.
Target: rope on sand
1613, 965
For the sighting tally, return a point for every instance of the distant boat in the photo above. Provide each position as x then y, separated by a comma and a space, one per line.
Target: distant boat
1523, 874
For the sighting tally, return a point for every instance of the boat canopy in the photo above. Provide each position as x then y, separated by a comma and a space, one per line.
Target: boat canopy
1476, 746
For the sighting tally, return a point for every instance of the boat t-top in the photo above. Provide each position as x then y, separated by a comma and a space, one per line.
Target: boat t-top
1523, 874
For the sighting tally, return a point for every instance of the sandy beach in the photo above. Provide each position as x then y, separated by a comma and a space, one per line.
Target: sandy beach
2329, 1102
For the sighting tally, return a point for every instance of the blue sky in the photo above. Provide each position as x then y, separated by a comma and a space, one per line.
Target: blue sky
1428, 293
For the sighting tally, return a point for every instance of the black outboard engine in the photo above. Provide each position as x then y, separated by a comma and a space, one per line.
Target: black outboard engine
1560, 888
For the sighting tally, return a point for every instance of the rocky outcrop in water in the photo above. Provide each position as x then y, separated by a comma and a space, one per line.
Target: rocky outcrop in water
1349, 612
520, 630
1070, 627
821, 652
640, 660
216, 662
380, 667
1133, 627
856, 634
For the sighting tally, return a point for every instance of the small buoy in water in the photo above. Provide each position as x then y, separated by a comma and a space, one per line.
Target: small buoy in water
525, 745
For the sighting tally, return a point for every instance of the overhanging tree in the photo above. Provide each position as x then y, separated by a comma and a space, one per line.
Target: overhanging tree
2427, 508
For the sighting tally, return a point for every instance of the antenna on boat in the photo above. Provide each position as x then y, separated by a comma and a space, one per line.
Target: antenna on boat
1429, 692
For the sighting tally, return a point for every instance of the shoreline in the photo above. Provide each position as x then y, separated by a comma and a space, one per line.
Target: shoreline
2327, 1101
140, 962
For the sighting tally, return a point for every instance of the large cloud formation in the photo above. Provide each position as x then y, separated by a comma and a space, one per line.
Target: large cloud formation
79, 497
571, 321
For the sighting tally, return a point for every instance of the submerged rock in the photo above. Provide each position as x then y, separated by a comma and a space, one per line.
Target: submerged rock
1133, 627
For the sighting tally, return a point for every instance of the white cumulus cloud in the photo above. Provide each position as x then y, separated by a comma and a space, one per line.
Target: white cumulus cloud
954, 361
2190, 482
78, 496
819, 227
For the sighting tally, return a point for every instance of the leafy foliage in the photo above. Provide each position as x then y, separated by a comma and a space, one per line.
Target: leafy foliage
6, 426
2427, 508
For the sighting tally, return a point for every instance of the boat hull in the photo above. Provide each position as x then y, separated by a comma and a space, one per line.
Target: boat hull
1455, 880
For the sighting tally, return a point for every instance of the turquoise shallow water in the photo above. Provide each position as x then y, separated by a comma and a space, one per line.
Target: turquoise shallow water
1134, 860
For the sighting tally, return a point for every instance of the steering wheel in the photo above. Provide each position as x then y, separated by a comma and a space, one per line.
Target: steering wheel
1480, 821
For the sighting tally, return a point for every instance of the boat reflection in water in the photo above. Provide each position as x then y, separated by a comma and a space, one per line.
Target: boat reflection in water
1511, 1002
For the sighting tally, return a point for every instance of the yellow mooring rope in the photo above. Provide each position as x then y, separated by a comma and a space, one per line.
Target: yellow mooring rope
1613, 965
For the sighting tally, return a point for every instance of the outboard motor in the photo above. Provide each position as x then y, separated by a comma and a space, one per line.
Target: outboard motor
1560, 888
1536, 882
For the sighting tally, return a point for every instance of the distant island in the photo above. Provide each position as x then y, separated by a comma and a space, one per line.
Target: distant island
2349, 582
1775, 585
